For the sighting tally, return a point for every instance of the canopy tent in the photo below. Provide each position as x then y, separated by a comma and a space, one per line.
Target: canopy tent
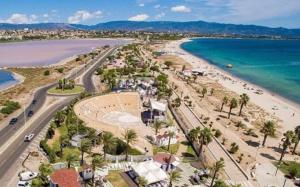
155, 105
150, 171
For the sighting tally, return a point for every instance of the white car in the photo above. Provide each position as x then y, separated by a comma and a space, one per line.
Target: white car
27, 175
28, 137
23, 184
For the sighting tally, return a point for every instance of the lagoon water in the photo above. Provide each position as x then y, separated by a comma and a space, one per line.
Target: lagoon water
271, 64
6, 79
45, 52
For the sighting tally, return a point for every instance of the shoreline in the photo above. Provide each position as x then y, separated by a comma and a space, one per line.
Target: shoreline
18, 79
272, 103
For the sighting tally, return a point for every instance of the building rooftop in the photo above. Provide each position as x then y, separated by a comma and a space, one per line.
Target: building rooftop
65, 178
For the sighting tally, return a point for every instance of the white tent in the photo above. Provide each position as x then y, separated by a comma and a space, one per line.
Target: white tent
162, 107
150, 171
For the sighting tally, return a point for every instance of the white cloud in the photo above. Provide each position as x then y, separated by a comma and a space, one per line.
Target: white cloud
142, 4
82, 15
17, 18
46, 15
180, 8
139, 17
160, 15
157, 6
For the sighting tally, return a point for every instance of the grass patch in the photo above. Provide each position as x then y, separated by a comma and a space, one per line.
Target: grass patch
10, 107
173, 149
69, 150
55, 144
289, 168
190, 151
75, 90
115, 178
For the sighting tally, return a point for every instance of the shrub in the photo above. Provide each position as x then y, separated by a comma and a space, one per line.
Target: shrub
218, 133
60, 70
48, 150
10, 107
46, 73
233, 148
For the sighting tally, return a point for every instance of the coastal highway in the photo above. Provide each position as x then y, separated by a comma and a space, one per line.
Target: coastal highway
13, 152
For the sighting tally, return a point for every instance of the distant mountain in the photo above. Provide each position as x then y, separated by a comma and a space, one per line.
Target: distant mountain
166, 26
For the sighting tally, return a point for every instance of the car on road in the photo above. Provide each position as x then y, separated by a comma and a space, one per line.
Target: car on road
33, 102
23, 184
28, 137
30, 113
13, 121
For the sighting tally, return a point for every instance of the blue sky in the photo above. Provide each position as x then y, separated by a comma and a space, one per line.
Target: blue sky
274, 13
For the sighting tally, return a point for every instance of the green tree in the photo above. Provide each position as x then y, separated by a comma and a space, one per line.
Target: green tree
142, 181
108, 141
46, 72
297, 139
85, 146
224, 102
244, 99
174, 176
71, 157
268, 129
288, 139
45, 170
176, 102
233, 104
97, 161
130, 136
234, 148
157, 126
217, 167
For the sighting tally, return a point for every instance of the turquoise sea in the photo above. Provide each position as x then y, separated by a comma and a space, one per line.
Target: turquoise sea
271, 64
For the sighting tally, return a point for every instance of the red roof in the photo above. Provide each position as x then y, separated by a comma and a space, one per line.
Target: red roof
65, 178
163, 158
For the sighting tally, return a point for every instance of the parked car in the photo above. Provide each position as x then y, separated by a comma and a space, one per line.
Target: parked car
28, 137
27, 175
13, 121
30, 113
23, 184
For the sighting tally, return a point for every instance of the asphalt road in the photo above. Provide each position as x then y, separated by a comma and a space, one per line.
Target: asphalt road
17, 147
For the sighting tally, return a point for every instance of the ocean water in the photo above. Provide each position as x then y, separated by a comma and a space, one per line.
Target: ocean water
6, 79
271, 64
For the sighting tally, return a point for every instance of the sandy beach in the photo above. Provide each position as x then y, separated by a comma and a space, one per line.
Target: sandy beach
287, 111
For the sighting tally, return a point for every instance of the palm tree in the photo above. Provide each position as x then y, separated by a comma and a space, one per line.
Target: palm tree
157, 125
205, 137
108, 142
97, 161
244, 99
174, 176
171, 134
233, 104
85, 146
297, 133
71, 157
130, 136
142, 181
217, 167
194, 134
268, 129
288, 139
224, 102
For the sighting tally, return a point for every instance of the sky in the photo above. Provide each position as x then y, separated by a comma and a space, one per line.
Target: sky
273, 13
